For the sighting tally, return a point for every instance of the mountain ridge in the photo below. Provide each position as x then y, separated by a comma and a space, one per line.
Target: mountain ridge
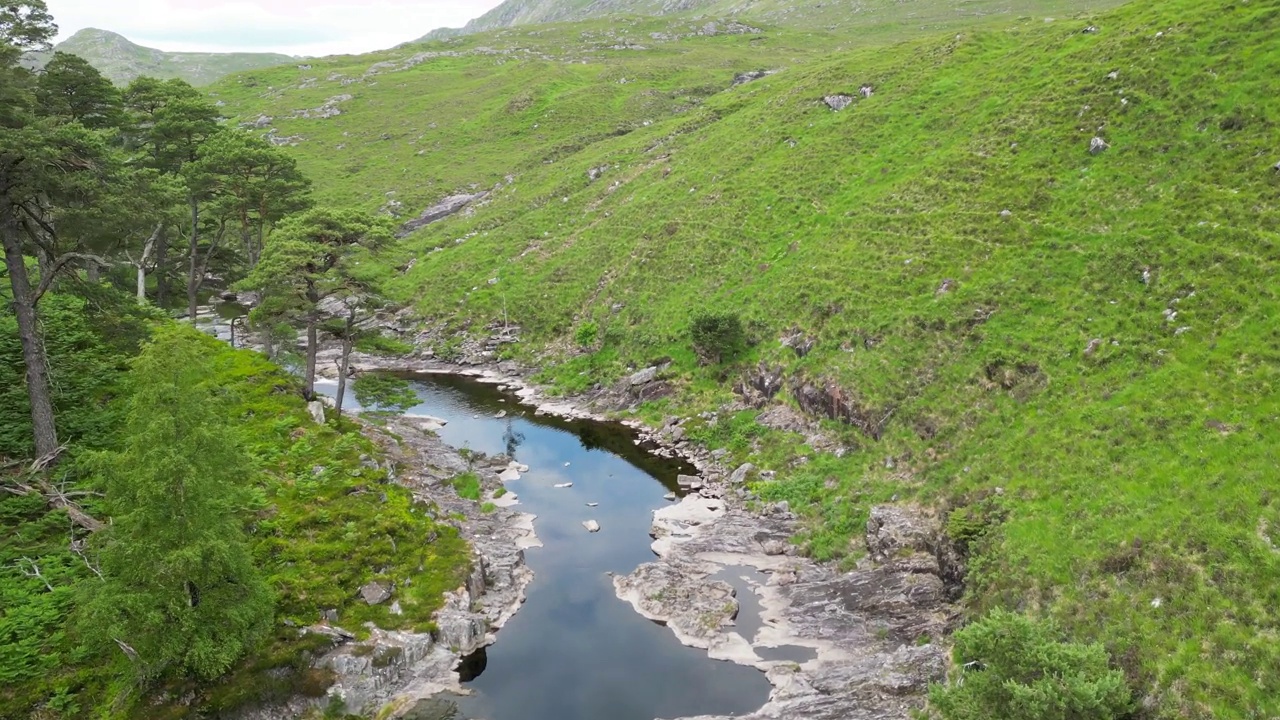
121, 60
829, 15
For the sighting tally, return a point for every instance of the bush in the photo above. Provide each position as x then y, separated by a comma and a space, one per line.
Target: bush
717, 337
467, 486
586, 334
1011, 666
383, 345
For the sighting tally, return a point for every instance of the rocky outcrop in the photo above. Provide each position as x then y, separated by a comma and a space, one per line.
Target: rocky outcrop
873, 629
829, 400
441, 210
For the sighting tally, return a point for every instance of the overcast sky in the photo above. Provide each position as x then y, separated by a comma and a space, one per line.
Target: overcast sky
294, 27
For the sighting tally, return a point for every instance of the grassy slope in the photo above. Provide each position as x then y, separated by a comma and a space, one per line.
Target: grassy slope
492, 105
1137, 480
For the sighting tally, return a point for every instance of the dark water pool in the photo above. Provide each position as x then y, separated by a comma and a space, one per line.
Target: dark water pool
575, 651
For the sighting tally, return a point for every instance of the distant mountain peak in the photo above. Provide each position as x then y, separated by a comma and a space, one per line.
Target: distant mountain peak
122, 60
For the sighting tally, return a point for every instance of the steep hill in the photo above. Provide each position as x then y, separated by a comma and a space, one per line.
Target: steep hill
877, 17
1030, 273
121, 60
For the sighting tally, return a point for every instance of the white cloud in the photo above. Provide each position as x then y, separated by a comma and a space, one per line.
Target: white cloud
294, 27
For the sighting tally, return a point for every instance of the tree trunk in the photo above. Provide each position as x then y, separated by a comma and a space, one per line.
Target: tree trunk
42, 422
141, 265
345, 365
343, 368
309, 379
162, 269
193, 287
91, 269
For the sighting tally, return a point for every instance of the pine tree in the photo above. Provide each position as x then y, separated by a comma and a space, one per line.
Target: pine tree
179, 592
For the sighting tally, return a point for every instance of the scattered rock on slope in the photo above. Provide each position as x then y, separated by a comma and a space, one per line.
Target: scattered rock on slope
750, 76
376, 593
838, 102
1097, 145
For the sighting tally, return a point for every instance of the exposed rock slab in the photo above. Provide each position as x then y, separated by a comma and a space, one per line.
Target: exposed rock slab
872, 628
441, 210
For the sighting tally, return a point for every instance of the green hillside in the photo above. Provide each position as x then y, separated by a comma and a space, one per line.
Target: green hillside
855, 17
1073, 352
121, 60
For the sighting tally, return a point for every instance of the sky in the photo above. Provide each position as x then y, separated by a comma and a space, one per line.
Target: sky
292, 27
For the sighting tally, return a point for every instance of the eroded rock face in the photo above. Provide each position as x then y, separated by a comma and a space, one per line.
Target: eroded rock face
872, 628
441, 210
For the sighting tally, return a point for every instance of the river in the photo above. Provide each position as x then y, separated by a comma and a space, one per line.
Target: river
575, 651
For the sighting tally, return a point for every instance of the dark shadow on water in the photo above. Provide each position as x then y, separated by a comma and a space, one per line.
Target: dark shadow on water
473, 665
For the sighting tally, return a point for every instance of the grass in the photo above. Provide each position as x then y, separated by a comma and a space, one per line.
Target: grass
467, 485
1135, 474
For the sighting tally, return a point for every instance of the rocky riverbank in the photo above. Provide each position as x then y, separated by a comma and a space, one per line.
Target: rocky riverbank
875, 632
391, 670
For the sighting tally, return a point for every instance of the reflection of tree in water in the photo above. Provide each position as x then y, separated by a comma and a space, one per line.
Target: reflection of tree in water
592, 438
512, 439
433, 709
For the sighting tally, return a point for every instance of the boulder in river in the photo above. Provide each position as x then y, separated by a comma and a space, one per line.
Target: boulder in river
591, 525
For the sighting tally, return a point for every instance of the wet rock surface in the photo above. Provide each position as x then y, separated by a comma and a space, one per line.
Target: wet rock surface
873, 628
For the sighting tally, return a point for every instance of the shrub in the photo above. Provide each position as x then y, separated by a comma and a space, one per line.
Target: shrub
383, 345
717, 337
586, 334
1011, 666
467, 486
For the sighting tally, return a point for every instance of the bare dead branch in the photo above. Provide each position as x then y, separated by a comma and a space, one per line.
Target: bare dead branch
127, 650
78, 547
57, 267
33, 571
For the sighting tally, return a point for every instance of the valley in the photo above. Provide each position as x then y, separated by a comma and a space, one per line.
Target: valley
958, 316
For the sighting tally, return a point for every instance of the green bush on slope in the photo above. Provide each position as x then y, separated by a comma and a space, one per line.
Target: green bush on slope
1013, 667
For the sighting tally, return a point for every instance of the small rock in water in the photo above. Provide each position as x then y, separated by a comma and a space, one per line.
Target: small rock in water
566, 464
591, 525
689, 481
509, 475
501, 414
593, 504
562, 485
669, 496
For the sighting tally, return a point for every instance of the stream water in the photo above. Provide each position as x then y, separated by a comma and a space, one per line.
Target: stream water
575, 651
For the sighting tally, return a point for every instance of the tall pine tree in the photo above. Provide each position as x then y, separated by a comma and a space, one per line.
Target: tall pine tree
179, 593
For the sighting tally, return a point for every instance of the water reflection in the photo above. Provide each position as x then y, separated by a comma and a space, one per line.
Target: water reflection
575, 651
